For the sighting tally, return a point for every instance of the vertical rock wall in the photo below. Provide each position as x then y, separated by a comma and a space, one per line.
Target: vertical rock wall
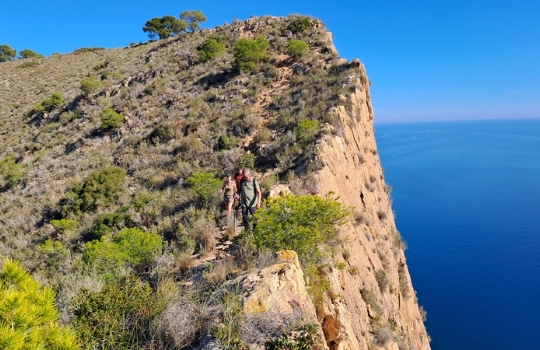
373, 304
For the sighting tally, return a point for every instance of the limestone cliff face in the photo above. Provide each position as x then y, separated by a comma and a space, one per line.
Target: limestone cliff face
371, 303
374, 304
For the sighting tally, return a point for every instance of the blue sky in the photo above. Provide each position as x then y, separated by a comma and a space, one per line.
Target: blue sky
427, 60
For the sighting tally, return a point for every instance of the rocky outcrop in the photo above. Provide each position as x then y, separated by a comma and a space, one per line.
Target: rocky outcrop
275, 299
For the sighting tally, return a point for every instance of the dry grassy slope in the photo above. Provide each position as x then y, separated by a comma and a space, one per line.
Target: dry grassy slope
155, 84
362, 315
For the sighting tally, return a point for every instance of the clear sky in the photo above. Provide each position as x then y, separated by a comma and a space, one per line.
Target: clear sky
427, 60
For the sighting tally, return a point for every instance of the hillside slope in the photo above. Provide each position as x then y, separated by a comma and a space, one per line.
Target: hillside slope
181, 117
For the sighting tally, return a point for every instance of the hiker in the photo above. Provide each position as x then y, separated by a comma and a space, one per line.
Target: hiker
250, 197
238, 176
229, 191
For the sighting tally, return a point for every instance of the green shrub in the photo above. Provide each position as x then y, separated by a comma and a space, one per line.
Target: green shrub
99, 189
306, 130
205, 185
248, 52
64, 225
162, 133
297, 48
110, 119
55, 252
10, 172
49, 104
299, 24
28, 315
119, 316
108, 222
90, 84
131, 247
224, 142
88, 49
210, 50
300, 223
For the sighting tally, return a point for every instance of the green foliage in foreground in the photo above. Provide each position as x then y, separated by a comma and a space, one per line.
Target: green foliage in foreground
210, 50
248, 52
110, 119
304, 224
10, 172
28, 315
117, 317
99, 189
129, 248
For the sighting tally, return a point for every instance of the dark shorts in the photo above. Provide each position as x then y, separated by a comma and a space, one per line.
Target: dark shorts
228, 199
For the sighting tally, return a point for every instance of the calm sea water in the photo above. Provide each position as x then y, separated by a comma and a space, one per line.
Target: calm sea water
467, 202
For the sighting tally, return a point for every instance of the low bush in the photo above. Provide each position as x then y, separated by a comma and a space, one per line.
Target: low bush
64, 225
248, 52
49, 104
109, 222
210, 50
306, 224
119, 316
299, 24
99, 189
10, 172
90, 84
306, 131
110, 119
54, 253
297, 48
205, 185
130, 247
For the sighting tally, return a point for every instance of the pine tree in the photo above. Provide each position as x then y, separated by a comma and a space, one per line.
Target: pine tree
28, 315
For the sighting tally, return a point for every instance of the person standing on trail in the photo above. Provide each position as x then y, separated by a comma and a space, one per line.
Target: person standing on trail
250, 197
229, 190
238, 180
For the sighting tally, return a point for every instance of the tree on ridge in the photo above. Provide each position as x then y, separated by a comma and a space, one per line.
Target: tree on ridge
193, 18
7, 53
164, 27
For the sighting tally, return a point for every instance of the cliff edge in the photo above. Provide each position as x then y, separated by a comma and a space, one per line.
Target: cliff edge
375, 303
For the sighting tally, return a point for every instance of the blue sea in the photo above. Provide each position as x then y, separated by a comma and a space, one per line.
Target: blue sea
467, 201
